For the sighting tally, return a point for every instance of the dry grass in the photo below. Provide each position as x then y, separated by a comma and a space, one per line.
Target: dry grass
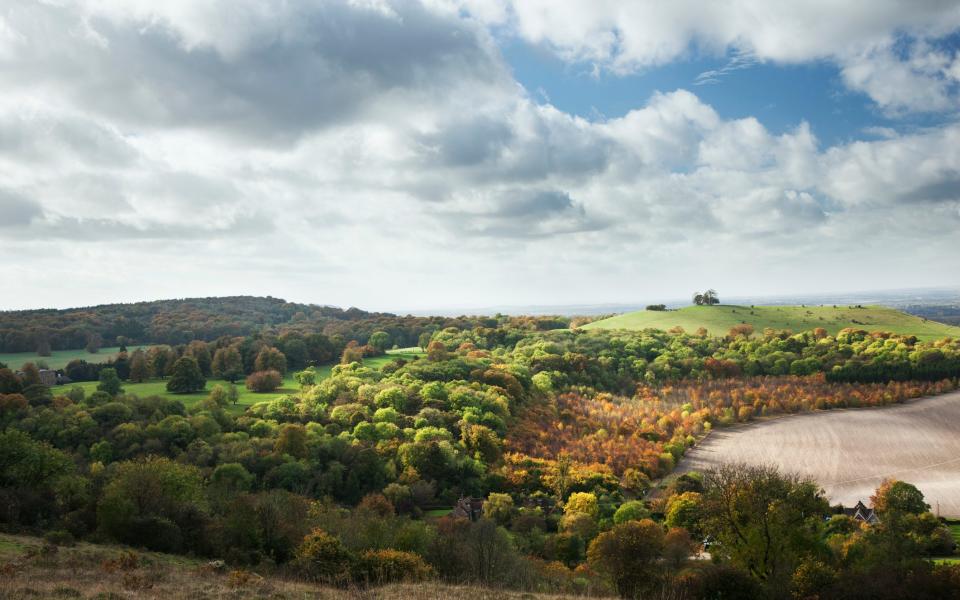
31, 570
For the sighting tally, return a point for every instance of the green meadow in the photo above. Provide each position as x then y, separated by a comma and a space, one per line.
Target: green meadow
718, 320
158, 387
58, 359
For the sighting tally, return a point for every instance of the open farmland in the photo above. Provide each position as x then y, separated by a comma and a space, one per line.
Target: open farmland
718, 320
849, 452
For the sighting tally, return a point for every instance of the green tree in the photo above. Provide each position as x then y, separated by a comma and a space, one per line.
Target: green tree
379, 340
227, 364
186, 376
109, 382
899, 496
765, 522
152, 502
628, 556
631, 511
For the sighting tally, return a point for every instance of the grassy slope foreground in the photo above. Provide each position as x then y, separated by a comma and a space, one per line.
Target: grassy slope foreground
850, 452
31, 569
719, 319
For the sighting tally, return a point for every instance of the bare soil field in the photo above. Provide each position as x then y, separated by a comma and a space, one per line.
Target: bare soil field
849, 452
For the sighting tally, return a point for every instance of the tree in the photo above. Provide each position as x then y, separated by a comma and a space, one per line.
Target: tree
139, 368
227, 364
43, 347
186, 376
583, 503
264, 381
498, 507
270, 359
94, 342
200, 351
765, 522
898, 496
151, 502
379, 340
627, 556
109, 382
31, 374
630, 511
9, 382
710, 297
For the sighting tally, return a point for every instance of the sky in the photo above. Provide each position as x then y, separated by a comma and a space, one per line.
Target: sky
401, 154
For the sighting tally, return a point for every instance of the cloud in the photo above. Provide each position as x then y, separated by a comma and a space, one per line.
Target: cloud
17, 211
861, 38
380, 153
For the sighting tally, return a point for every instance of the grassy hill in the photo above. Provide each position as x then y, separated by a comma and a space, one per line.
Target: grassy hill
719, 319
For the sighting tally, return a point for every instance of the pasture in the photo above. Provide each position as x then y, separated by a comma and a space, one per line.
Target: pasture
58, 359
718, 320
849, 452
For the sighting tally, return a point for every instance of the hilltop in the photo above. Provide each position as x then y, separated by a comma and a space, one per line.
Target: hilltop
719, 319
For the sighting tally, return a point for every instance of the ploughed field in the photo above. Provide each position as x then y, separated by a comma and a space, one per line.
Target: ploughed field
849, 452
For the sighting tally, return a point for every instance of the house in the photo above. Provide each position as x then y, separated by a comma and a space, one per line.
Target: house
468, 508
860, 512
48, 377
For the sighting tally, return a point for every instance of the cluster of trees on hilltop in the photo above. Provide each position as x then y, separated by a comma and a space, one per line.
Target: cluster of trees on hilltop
561, 432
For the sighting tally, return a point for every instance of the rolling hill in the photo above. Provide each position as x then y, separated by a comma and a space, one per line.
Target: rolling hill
720, 318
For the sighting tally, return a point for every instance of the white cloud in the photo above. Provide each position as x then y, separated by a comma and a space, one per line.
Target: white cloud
860, 37
153, 150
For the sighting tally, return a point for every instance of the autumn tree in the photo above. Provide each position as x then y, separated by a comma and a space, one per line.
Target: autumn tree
94, 343
201, 352
900, 497
270, 358
264, 381
139, 368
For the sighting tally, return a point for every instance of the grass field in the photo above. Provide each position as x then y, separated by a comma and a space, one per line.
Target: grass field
59, 358
849, 452
158, 387
719, 319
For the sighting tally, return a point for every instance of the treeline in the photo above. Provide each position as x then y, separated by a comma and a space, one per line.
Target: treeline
175, 322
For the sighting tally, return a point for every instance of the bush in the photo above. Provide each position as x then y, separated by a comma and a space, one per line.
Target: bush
323, 558
59, 537
264, 381
378, 567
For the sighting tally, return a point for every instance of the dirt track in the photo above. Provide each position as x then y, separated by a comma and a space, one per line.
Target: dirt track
850, 451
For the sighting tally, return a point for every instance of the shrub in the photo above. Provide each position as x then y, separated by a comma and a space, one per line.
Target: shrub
380, 567
264, 381
59, 537
323, 558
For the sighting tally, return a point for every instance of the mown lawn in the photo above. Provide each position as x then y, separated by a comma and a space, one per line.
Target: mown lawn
59, 358
718, 320
158, 387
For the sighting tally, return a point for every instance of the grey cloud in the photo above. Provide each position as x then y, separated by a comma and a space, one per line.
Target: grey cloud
324, 65
111, 230
519, 214
16, 211
945, 189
